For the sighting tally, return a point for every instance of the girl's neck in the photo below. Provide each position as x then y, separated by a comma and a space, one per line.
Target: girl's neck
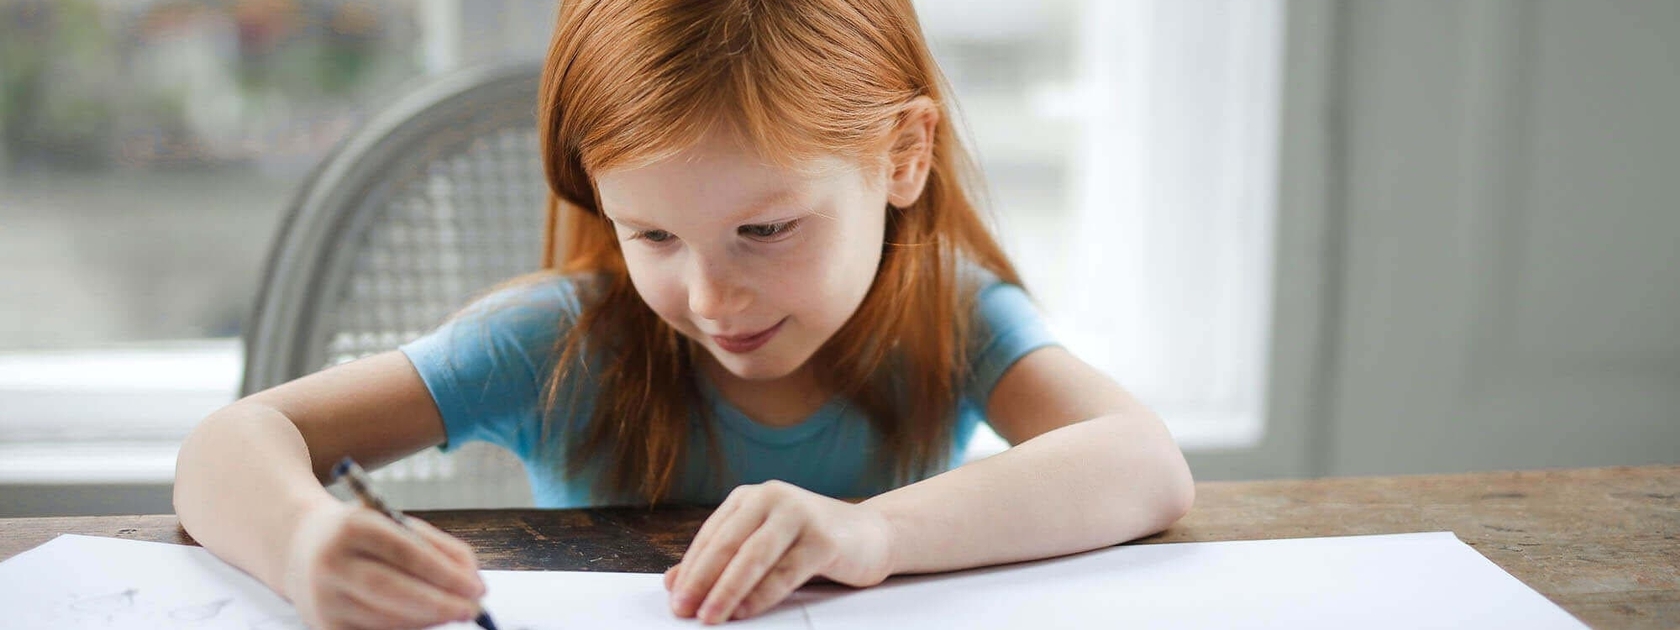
780, 402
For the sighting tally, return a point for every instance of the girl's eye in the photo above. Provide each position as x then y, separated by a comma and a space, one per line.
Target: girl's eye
653, 236
769, 231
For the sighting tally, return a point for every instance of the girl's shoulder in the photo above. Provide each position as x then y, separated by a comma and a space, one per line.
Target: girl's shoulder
527, 314
972, 278
977, 285
1006, 325
999, 308
512, 326
544, 295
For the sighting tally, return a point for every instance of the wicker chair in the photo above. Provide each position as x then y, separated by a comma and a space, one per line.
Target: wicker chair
432, 201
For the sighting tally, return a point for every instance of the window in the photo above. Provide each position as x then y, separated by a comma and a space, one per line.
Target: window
1130, 149
147, 153
150, 149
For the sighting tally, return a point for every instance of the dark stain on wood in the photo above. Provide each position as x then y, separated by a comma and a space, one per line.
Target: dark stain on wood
1505, 495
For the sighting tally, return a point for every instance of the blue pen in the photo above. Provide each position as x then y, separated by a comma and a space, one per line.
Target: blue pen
357, 478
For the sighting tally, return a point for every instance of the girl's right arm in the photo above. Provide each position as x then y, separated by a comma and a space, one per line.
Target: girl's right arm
249, 487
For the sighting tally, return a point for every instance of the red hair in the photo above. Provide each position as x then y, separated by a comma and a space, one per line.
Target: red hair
630, 82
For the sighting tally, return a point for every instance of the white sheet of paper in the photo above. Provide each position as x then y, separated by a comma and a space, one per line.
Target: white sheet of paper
1428, 580
92, 582
1394, 581
112, 584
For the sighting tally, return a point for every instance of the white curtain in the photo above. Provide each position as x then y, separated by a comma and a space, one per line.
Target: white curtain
1169, 284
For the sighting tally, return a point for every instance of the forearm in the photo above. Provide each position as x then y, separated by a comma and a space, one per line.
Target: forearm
1087, 485
242, 480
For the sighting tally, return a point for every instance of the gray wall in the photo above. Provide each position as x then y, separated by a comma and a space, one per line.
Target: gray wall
1509, 283
1478, 228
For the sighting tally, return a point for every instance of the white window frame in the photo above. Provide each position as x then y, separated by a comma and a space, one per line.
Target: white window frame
112, 415
1172, 289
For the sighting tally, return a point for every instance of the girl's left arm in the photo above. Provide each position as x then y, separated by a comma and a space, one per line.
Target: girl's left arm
1090, 467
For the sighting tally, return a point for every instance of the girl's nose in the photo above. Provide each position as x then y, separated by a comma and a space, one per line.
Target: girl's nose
714, 292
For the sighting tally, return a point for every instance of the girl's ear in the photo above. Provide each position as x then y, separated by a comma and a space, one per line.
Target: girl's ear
911, 154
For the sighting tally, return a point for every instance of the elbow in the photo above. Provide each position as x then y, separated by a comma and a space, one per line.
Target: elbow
193, 466
1176, 492
1158, 490
1180, 495
185, 484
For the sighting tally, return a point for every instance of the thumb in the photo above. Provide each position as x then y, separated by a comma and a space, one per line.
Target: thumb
458, 551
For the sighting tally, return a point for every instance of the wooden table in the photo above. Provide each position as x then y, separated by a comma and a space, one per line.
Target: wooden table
1604, 543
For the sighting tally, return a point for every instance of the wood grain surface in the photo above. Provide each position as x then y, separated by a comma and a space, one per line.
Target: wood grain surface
1604, 543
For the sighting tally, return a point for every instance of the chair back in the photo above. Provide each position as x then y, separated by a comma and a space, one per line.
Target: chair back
434, 200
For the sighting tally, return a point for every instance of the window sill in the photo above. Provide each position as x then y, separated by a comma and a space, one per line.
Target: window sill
1193, 432
110, 415
82, 463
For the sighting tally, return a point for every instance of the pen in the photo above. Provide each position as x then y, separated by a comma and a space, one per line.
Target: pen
357, 478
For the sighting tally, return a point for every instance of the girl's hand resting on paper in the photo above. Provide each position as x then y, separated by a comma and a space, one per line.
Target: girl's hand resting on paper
351, 567
766, 540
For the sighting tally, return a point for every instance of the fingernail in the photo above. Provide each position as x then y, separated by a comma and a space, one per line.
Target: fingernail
681, 603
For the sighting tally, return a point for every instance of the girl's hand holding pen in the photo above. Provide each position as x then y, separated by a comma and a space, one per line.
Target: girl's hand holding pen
348, 566
766, 540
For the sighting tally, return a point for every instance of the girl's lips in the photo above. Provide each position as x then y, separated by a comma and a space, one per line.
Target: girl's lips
747, 343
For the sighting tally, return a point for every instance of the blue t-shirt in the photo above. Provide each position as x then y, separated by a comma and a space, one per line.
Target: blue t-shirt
488, 368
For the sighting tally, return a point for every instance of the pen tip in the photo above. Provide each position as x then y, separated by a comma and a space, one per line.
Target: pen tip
484, 621
343, 466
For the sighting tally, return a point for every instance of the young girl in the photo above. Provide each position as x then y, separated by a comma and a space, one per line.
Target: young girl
773, 293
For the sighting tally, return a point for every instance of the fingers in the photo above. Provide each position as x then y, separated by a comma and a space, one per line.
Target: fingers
762, 551
671, 576
459, 551
387, 541
706, 558
380, 596
793, 571
352, 614
708, 529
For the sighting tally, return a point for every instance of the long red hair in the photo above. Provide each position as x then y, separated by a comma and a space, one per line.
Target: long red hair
630, 82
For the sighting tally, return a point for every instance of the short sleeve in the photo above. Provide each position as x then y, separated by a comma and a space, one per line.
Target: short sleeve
487, 368
1007, 326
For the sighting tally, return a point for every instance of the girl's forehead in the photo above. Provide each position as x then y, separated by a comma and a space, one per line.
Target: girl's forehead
650, 194
723, 170
721, 146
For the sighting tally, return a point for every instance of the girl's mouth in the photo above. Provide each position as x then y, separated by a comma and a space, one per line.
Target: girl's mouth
742, 344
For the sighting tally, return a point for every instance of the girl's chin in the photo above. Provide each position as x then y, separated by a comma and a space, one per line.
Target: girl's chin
755, 367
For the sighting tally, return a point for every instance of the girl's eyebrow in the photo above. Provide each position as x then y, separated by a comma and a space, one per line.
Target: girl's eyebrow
782, 196
623, 221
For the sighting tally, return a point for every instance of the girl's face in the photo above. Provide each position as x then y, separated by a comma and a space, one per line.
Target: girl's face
759, 264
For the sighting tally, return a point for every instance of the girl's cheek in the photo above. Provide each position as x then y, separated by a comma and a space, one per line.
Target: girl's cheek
663, 294
672, 303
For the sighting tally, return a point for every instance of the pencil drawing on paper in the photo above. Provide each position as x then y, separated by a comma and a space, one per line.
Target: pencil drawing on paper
108, 605
201, 612
127, 606
281, 623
